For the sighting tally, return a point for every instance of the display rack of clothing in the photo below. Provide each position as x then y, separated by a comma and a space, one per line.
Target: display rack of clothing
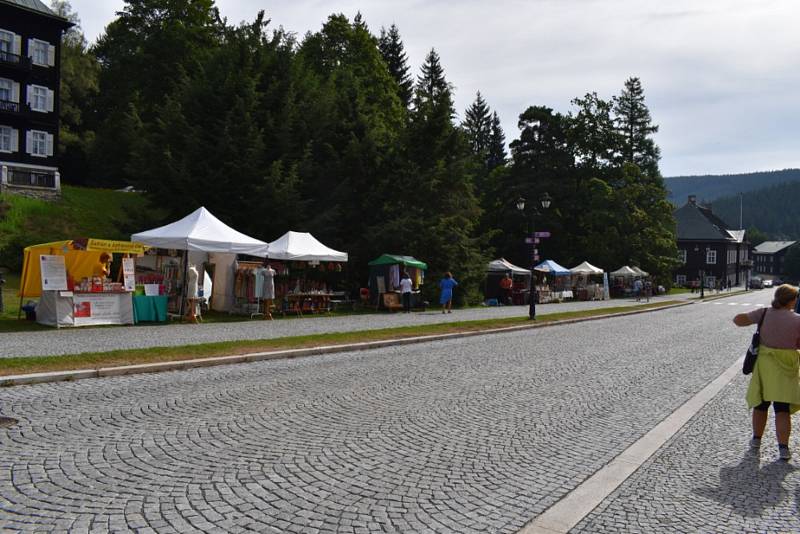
247, 288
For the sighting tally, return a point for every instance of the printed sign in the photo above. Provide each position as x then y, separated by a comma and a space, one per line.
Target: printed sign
96, 309
54, 273
128, 275
122, 247
541, 234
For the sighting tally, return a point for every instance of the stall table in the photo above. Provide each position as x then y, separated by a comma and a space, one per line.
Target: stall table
149, 309
73, 308
308, 303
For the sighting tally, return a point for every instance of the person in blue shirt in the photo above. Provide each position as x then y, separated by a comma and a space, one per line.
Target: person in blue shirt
446, 285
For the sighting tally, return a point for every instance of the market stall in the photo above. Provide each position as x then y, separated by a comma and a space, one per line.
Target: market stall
557, 286
190, 251
75, 282
384, 279
520, 281
622, 281
309, 274
587, 281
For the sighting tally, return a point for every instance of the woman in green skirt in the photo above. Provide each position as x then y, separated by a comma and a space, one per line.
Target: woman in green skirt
776, 376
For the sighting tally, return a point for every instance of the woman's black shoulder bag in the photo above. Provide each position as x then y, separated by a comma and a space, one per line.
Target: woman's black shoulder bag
752, 351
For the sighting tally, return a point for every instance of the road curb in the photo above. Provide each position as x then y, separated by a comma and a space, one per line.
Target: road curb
182, 365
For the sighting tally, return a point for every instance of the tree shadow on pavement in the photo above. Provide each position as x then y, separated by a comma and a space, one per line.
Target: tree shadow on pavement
749, 488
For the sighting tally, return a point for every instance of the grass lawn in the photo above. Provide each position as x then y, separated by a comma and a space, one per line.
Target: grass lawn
24, 365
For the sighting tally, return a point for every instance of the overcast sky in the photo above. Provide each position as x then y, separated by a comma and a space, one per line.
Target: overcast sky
721, 77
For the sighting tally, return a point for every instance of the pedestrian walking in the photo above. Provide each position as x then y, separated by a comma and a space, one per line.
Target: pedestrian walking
776, 375
447, 284
637, 289
406, 286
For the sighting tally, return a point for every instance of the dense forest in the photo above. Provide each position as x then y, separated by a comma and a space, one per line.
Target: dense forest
709, 188
774, 211
336, 134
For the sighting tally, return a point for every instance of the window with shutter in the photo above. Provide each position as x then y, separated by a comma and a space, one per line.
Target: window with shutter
5, 138
39, 52
39, 142
6, 87
6, 46
37, 98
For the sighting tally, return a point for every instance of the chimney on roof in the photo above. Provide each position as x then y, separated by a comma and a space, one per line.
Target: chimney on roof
692, 200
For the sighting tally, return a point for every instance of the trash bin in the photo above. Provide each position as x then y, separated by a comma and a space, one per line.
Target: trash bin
30, 311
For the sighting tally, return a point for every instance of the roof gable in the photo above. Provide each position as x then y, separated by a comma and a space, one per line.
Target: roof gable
35, 6
698, 223
772, 247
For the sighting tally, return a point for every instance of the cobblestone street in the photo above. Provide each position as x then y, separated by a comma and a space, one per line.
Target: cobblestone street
470, 435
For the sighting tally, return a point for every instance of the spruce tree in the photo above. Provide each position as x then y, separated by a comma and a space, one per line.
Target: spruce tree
496, 154
478, 125
393, 52
636, 128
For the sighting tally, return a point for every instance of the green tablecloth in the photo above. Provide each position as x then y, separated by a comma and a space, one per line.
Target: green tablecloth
149, 309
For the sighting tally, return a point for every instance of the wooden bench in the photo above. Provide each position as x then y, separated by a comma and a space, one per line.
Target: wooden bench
391, 301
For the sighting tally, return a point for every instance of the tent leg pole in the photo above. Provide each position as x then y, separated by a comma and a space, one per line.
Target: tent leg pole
183, 283
22, 285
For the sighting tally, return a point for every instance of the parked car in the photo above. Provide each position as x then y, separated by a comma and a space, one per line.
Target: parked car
767, 283
756, 283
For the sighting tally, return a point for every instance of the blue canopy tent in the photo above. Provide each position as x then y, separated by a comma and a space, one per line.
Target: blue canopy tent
551, 267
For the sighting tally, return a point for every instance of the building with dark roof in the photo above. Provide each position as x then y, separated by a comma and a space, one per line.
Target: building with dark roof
768, 257
30, 58
709, 250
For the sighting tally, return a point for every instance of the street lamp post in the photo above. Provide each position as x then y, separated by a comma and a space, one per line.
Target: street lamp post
545, 201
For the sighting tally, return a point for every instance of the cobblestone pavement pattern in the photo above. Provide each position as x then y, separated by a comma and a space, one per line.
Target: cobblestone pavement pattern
706, 480
76, 340
463, 436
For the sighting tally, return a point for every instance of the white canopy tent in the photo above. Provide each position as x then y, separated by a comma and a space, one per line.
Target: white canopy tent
502, 266
624, 271
640, 272
201, 231
207, 239
586, 268
302, 246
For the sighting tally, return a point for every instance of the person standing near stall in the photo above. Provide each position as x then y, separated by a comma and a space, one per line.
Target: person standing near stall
506, 284
447, 284
406, 286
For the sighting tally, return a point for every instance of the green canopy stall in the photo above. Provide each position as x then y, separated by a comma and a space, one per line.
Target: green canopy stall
386, 270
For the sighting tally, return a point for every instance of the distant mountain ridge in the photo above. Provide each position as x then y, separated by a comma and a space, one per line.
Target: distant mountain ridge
708, 188
774, 210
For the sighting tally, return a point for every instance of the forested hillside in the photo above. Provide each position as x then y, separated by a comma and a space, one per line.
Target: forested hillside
711, 187
773, 210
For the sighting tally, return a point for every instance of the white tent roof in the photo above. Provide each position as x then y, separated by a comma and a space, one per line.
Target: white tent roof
201, 231
640, 272
502, 265
586, 268
302, 246
624, 271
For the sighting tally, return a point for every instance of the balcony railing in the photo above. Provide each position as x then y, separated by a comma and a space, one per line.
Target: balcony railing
7, 105
15, 59
30, 178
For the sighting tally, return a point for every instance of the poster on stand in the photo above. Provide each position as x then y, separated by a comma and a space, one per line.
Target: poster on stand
54, 273
128, 274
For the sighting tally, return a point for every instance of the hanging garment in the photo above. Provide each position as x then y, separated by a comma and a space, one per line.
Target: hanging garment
267, 277
259, 281
394, 275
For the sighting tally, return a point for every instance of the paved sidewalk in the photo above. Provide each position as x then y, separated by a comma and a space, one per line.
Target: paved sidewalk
77, 340
705, 480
